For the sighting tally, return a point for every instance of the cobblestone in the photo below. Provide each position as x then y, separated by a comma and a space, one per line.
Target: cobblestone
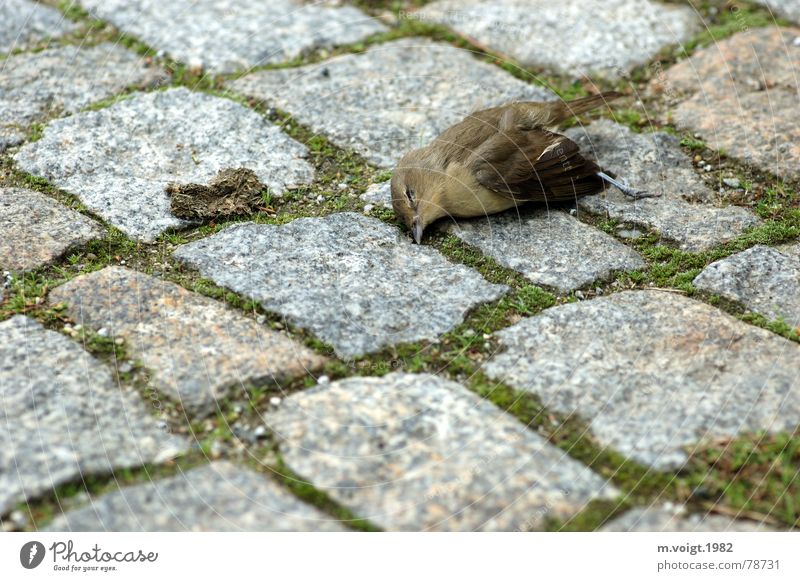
23, 23
223, 36
63, 417
216, 497
740, 95
62, 81
655, 162
153, 139
198, 350
574, 37
416, 452
550, 248
761, 278
37, 230
355, 282
652, 372
392, 98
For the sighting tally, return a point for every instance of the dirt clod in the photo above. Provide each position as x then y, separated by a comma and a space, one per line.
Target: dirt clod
233, 191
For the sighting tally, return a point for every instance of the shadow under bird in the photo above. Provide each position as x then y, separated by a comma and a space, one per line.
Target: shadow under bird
497, 159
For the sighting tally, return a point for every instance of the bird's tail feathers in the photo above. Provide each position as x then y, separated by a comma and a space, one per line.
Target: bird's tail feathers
572, 108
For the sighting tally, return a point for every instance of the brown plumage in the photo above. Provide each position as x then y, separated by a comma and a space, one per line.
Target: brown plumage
496, 159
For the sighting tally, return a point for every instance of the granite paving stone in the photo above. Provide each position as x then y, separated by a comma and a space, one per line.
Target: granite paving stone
550, 248
741, 95
792, 249
394, 97
605, 37
63, 417
37, 230
118, 160
654, 162
789, 9
223, 36
763, 279
23, 23
355, 282
379, 194
667, 519
418, 452
59, 81
197, 349
653, 372
218, 497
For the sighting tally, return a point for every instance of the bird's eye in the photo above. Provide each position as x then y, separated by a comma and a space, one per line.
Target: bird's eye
410, 196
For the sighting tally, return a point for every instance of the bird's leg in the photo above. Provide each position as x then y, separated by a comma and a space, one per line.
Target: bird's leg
626, 189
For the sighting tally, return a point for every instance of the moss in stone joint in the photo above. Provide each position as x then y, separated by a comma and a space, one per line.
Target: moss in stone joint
306, 492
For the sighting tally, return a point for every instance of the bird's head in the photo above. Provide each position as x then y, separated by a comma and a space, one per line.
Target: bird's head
416, 193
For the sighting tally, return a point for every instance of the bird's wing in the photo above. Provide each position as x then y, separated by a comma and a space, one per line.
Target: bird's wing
533, 165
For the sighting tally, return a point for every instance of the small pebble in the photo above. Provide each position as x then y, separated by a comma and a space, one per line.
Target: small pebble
103, 332
323, 379
320, 198
708, 168
261, 319
260, 432
731, 182
119, 341
368, 208
19, 518
469, 333
580, 295
275, 401
216, 450
126, 367
796, 41
342, 186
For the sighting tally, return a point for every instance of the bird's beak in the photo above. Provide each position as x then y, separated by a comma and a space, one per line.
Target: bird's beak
417, 229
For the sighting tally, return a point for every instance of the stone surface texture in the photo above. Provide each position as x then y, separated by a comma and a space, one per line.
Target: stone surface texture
216, 497
59, 81
229, 35
62, 416
741, 95
653, 372
379, 195
417, 452
606, 37
118, 160
23, 23
655, 162
761, 278
667, 519
787, 8
355, 282
198, 350
392, 98
550, 248
36, 230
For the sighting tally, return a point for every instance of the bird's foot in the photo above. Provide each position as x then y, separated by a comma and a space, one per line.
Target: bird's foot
622, 186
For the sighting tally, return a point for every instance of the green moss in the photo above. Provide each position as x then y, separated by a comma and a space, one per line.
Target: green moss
758, 474
731, 18
693, 143
306, 492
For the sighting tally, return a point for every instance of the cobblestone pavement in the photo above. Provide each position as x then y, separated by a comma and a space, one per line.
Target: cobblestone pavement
604, 365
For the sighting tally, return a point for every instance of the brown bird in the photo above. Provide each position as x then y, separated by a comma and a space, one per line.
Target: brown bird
496, 159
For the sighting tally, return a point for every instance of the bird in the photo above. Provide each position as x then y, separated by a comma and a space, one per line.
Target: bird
496, 159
